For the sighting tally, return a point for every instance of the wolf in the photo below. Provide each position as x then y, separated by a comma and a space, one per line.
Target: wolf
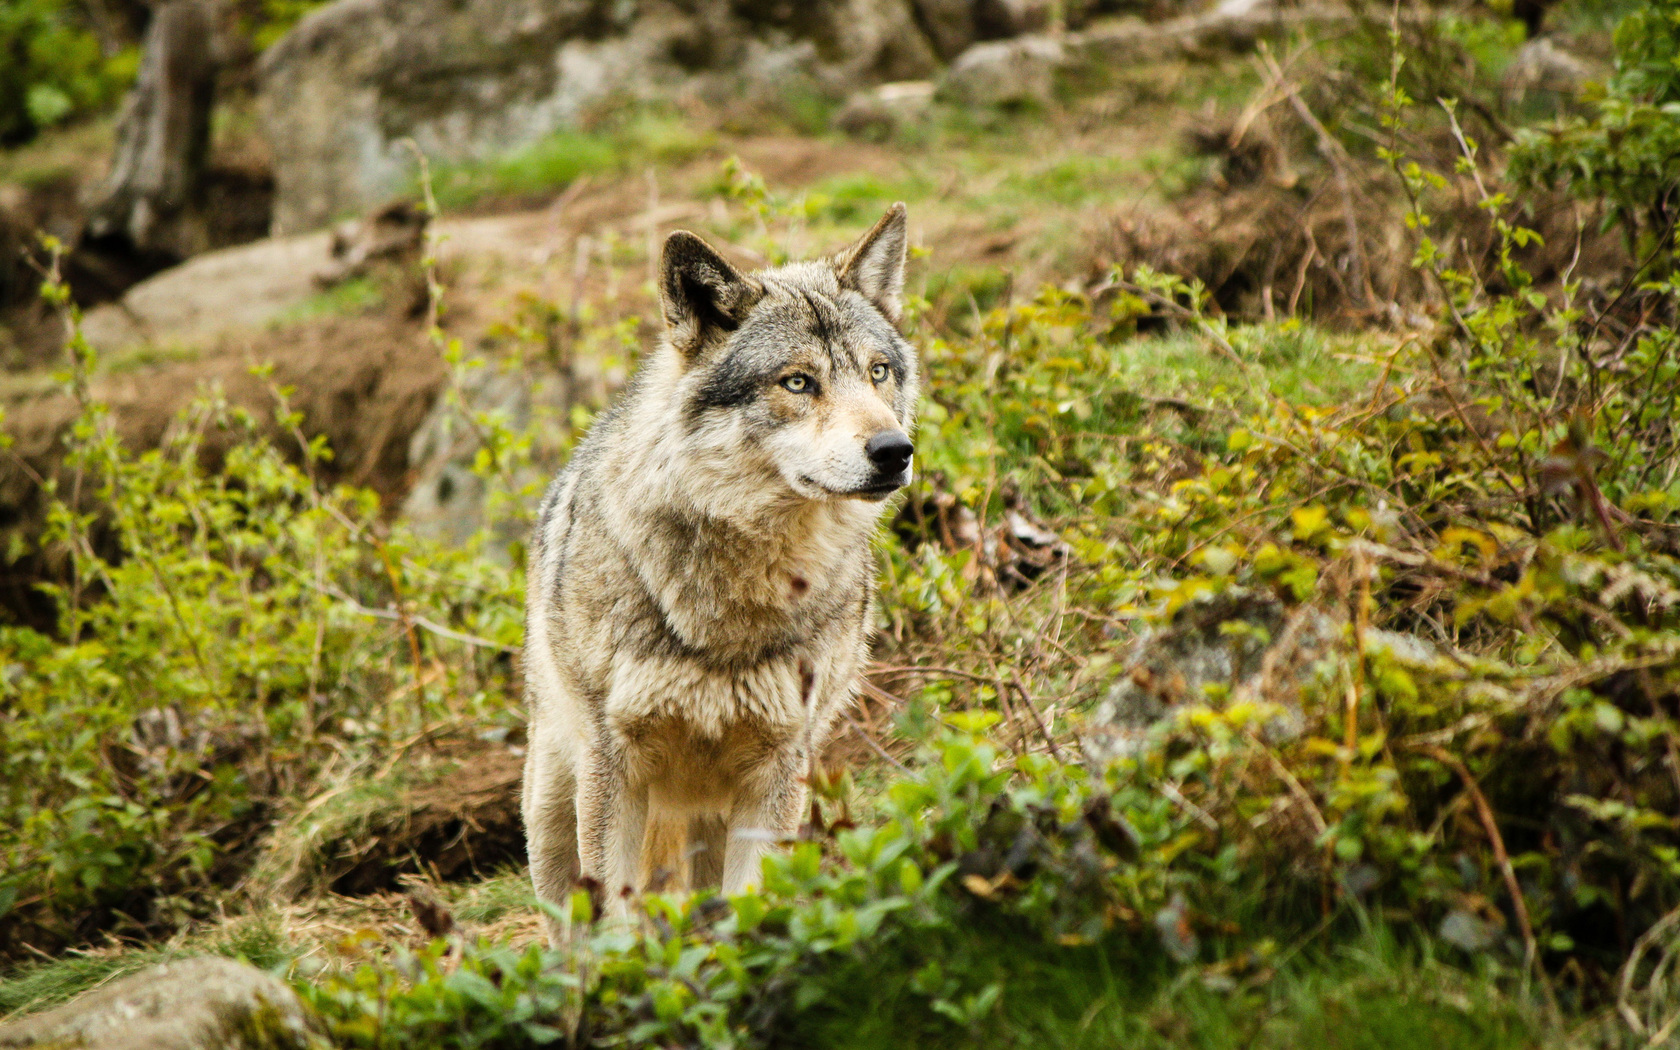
701, 579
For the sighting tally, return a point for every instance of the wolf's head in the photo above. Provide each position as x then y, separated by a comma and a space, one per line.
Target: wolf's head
798, 372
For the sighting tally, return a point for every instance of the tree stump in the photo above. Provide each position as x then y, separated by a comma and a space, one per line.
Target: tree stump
147, 215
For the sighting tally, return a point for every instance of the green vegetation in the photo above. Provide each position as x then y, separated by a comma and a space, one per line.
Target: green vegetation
353, 296
1439, 812
1626, 152
256, 939
620, 146
53, 67
213, 650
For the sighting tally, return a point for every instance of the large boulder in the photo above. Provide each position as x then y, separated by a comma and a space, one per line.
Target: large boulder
195, 1004
952, 25
1006, 72
469, 78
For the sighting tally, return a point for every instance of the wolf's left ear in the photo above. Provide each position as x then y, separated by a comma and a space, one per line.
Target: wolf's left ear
874, 266
703, 296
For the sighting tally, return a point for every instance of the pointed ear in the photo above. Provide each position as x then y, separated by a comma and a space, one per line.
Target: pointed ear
874, 266
703, 296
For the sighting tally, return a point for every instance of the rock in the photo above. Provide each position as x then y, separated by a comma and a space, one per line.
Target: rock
876, 112
949, 25
1242, 8
463, 79
953, 25
212, 293
1006, 72
999, 19
1543, 66
196, 1004
449, 500
1237, 643
252, 285
1234, 25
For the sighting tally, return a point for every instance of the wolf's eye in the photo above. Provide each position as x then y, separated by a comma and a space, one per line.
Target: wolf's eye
879, 372
797, 384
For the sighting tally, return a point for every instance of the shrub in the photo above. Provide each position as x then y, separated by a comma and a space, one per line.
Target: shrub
216, 644
53, 68
1628, 152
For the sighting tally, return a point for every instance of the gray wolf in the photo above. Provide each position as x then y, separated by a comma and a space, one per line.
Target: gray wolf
701, 579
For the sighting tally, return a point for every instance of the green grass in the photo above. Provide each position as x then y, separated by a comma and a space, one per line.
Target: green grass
57, 154
148, 355
552, 162
308, 849
1370, 994
1298, 363
345, 299
497, 897
859, 197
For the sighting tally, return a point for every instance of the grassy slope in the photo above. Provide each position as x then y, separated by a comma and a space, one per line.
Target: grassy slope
1377, 988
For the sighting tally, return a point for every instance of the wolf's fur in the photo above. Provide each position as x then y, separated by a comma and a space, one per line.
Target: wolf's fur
701, 581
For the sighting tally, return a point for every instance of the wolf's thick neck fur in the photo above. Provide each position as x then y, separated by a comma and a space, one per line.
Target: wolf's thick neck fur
728, 556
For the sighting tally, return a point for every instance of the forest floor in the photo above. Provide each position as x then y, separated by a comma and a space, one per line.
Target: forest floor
1124, 478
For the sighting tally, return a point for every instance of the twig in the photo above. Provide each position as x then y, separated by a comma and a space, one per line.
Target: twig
411, 618
1625, 991
873, 745
1170, 790
1295, 787
1364, 294
1032, 709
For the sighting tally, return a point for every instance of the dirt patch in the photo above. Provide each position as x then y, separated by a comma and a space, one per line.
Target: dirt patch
1334, 246
464, 824
446, 815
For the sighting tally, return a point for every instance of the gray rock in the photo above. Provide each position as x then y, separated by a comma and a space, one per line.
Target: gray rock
449, 501
472, 78
1236, 644
255, 284
195, 1004
1005, 72
1232, 26
953, 25
949, 24
879, 110
1542, 66
1007, 18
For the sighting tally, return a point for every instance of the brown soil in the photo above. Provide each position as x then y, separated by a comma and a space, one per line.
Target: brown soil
1270, 238
465, 824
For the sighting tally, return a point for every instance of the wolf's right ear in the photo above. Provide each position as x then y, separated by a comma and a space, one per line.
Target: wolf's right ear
703, 296
874, 266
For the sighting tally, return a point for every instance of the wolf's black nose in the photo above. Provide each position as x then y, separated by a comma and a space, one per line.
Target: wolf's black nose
890, 451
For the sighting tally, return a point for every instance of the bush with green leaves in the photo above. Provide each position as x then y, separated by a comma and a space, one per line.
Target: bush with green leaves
1627, 153
970, 840
53, 67
226, 626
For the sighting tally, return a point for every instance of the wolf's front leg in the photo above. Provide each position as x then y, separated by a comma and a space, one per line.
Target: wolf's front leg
550, 809
612, 815
766, 812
